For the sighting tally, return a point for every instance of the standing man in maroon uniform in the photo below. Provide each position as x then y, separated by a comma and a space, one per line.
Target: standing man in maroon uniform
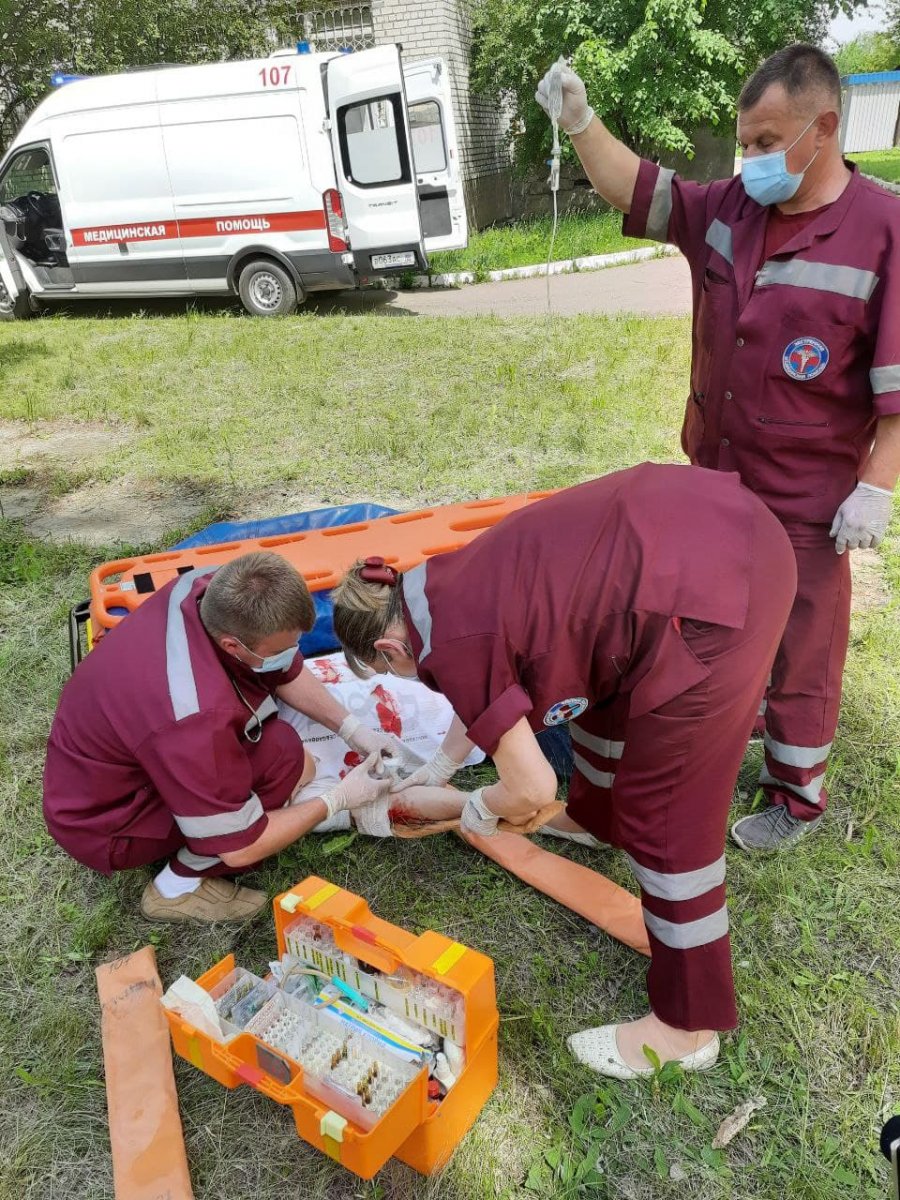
167, 741
795, 377
644, 609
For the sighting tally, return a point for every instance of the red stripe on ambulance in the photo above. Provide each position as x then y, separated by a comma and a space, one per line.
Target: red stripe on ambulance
153, 231
252, 223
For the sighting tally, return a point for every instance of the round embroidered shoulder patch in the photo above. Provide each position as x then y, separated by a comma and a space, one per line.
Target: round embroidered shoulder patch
805, 358
565, 710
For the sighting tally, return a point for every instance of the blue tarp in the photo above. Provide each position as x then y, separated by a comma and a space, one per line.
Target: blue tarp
320, 639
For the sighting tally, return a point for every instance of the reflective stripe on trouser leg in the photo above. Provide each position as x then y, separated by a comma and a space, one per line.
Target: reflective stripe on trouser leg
597, 748
804, 697
187, 863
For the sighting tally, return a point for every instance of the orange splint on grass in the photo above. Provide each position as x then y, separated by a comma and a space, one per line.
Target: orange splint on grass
149, 1160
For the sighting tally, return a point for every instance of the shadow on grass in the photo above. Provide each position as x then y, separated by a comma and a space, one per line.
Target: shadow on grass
351, 302
15, 351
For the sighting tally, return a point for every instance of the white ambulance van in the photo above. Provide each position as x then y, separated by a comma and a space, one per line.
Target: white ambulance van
270, 179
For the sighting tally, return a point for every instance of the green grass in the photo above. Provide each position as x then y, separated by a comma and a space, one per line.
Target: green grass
406, 411
528, 242
883, 164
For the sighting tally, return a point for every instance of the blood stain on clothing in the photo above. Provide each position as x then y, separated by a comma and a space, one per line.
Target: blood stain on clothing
388, 710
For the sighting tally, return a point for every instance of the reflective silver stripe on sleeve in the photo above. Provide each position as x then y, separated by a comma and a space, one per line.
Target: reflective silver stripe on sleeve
179, 672
197, 862
810, 793
683, 885
692, 933
797, 756
602, 779
417, 602
660, 206
823, 277
885, 379
719, 237
222, 823
602, 746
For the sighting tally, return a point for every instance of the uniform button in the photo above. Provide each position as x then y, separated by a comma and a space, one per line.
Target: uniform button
740, 342
728, 396
725, 442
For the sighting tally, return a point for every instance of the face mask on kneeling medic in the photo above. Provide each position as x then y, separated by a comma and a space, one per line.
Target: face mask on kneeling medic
272, 662
766, 178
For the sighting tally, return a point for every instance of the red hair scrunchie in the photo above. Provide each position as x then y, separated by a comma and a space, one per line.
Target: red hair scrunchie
376, 570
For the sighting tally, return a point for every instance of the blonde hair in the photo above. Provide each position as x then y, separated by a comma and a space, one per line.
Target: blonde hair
363, 613
255, 596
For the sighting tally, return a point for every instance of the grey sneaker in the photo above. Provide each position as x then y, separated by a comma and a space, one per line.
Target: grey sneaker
772, 829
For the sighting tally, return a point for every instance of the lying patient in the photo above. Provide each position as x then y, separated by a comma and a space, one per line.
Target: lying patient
419, 720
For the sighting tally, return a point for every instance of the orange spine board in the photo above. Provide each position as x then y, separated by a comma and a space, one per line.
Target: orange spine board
320, 555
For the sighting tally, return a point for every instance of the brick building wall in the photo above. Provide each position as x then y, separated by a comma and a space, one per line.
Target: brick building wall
442, 28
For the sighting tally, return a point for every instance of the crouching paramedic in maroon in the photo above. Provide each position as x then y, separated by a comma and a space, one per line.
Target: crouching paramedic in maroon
167, 741
645, 609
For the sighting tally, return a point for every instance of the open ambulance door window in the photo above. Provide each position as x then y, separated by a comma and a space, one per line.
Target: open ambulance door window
373, 154
436, 155
32, 218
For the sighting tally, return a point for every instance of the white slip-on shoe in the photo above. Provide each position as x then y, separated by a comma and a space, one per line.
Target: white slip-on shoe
582, 837
598, 1049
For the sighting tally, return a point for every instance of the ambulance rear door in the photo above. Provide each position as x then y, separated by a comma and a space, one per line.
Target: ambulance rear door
372, 147
436, 155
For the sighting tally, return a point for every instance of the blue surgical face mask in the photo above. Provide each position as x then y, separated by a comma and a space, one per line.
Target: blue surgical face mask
766, 178
272, 662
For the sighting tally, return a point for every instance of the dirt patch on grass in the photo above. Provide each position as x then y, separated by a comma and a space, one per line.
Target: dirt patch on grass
47, 481
870, 590
57, 444
128, 510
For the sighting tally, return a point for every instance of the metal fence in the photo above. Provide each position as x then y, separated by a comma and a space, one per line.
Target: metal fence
337, 28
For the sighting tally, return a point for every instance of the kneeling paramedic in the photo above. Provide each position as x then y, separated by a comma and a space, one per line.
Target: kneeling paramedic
645, 610
167, 741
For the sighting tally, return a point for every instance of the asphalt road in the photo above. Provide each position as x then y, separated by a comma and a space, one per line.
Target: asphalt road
659, 286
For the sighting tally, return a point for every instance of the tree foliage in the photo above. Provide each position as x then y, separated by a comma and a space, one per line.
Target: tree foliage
869, 52
655, 70
38, 37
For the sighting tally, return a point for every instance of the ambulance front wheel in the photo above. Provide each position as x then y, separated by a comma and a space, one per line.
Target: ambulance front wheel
266, 289
14, 308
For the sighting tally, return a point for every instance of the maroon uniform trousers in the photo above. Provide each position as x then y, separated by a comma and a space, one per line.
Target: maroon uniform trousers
804, 696
277, 763
660, 787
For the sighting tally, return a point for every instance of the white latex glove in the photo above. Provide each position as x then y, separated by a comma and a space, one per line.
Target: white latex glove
363, 785
861, 520
477, 817
576, 114
435, 773
364, 740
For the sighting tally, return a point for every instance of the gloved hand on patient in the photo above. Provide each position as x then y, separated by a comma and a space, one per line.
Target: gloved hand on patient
363, 785
362, 739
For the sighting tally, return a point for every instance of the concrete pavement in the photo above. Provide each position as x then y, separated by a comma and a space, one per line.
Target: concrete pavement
659, 287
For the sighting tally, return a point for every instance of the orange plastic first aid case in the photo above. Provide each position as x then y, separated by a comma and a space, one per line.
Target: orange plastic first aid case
356, 1096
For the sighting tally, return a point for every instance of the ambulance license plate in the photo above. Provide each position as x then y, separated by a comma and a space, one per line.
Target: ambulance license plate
406, 259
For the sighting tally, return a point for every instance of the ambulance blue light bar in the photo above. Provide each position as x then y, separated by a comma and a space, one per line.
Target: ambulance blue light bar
303, 47
60, 79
